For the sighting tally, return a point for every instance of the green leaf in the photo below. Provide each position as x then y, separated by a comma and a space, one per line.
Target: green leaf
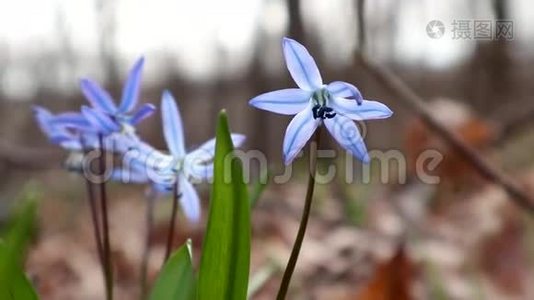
176, 281
224, 265
13, 281
258, 188
18, 287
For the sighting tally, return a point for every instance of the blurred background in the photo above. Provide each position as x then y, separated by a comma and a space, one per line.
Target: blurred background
384, 239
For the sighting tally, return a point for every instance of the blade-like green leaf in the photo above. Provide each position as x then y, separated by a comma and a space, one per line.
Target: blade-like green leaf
176, 281
18, 287
13, 281
224, 265
258, 188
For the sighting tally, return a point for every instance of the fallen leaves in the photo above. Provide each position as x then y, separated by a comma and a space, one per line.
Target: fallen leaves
391, 281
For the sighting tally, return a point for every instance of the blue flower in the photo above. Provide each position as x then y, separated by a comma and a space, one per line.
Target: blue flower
336, 105
109, 118
58, 133
163, 170
72, 132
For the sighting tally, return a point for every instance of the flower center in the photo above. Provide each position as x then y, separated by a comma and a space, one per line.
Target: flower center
178, 165
127, 129
320, 107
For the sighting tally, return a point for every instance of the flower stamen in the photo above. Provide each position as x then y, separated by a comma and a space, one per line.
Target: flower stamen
320, 109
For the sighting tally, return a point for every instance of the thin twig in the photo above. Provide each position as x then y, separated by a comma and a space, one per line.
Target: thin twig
105, 219
408, 97
304, 220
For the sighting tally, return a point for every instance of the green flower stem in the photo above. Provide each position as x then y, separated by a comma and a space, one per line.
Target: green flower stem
105, 220
172, 221
304, 220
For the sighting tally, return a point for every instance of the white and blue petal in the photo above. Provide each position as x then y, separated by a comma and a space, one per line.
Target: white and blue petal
346, 133
153, 159
72, 144
286, 101
206, 151
367, 110
129, 175
298, 132
189, 200
344, 90
145, 111
161, 188
100, 120
199, 172
301, 65
172, 125
98, 97
130, 92
120, 143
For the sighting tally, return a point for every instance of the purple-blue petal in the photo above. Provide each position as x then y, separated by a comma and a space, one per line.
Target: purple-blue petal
72, 120
100, 120
130, 92
56, 134
98, 97
145, 111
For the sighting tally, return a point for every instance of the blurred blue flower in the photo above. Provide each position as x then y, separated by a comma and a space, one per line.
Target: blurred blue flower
58, 133
105, 116
336, 105
145, 164
72, 131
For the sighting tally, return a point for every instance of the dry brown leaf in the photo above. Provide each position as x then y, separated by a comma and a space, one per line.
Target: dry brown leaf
391, 281
504, 257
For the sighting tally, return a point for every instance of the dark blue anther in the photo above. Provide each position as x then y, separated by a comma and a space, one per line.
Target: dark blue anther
323, 112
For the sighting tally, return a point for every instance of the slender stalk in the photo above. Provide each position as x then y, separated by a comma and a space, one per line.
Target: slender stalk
172, 221
94, 215
150, 198
304, 219
105, 220
96, 222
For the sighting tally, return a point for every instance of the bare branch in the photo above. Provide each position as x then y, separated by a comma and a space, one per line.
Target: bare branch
408, 97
